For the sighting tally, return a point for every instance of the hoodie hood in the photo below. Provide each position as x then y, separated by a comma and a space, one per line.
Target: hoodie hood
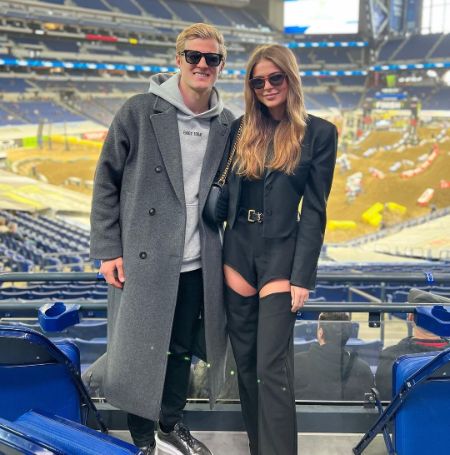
166, 86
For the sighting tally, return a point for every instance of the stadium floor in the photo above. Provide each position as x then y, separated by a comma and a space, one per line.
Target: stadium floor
235, 443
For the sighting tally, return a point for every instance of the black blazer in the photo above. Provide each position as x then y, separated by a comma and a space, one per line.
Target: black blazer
282, 194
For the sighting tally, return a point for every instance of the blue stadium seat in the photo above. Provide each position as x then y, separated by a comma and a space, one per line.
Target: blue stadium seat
35, 374
14, 442
6, 294
419, 408
332, 293
59, 435
87, 330
46, 295
75, 295
90, 350
61, 45
99, 294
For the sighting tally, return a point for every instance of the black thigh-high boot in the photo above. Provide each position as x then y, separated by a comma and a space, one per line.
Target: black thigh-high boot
275, 368
242, 322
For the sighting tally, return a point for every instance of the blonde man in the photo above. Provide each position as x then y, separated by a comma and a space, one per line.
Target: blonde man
163, 263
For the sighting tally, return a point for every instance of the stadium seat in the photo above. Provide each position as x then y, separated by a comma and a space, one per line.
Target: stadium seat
419, 408
38, 432
38, 374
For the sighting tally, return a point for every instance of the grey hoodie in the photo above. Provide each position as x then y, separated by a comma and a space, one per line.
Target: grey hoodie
193, 130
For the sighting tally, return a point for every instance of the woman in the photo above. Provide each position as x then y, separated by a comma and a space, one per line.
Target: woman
270, 250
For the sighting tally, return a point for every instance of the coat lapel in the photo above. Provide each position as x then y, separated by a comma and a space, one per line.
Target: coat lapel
217, 140
165, 125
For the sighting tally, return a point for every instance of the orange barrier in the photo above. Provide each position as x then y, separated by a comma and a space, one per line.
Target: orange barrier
419, 169
374, 172
425, 197
95, 135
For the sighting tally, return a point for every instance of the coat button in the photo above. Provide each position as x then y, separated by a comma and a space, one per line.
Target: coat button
143, 255
158, 169
268, 188
268, 212
152, 211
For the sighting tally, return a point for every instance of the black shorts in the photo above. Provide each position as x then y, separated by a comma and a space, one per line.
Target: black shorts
259, 260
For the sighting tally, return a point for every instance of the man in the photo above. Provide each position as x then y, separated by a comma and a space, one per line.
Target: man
421, 341
162, 261
328, 371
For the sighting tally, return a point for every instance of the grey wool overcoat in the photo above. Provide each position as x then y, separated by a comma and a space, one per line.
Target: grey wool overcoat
139, 213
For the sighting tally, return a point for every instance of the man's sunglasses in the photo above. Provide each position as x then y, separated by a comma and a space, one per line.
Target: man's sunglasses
276, 79
193, 57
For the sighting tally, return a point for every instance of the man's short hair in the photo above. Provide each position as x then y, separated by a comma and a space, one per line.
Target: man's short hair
202, 31
336, 327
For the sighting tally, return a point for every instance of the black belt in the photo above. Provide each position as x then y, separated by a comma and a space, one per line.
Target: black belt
251, 215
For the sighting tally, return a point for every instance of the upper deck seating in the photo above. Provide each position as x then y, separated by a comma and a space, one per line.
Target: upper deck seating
388, 49
184, 10
417, 47
93, 4
155, 8
213, 14
442, 50
125, 6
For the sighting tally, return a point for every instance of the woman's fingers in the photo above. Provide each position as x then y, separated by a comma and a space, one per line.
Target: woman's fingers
299, 297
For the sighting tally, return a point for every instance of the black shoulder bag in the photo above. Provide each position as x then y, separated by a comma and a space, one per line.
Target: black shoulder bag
217, 192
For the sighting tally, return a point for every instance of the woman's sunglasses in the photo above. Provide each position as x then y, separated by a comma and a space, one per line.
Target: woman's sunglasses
193, 57
276, 79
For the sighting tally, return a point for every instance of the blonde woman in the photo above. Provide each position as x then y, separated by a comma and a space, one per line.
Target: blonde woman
283, 156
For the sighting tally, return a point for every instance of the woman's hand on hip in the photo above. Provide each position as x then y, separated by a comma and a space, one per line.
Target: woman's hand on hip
299, 297
112, 270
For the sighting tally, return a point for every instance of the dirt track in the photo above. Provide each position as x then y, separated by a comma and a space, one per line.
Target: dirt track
58, 165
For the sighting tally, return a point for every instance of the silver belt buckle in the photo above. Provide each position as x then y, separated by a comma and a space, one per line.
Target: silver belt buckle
250, 213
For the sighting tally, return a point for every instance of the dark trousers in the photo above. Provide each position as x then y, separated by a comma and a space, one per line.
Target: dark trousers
186, 321
261, 335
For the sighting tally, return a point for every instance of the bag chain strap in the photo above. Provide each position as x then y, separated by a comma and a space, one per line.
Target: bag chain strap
224, 175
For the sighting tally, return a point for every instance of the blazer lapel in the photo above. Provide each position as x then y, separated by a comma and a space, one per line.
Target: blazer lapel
217, 140
165, 125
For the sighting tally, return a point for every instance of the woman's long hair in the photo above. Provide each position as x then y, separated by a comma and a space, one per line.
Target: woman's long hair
260, 128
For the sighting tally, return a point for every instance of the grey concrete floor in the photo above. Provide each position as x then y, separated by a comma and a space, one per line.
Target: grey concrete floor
235, 443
